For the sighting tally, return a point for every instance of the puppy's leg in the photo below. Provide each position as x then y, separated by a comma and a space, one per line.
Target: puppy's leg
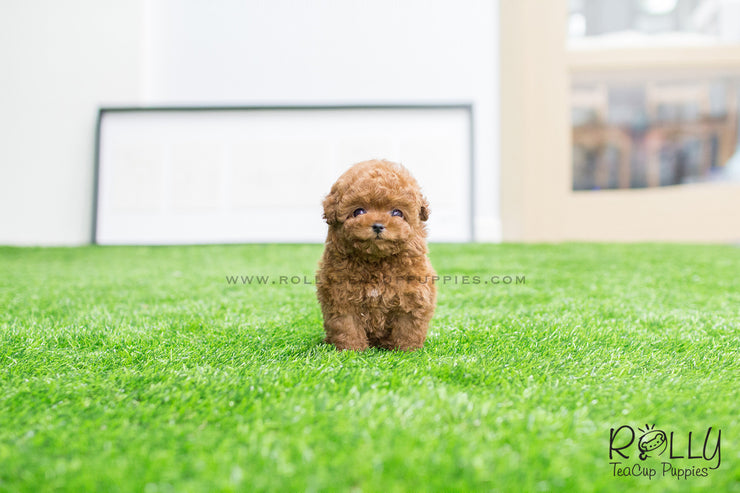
345, 333
407, 332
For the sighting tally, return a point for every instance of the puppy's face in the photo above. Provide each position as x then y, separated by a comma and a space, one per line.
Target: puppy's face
377, 229
376, 210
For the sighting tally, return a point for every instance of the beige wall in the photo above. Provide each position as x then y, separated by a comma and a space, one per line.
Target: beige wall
538, 203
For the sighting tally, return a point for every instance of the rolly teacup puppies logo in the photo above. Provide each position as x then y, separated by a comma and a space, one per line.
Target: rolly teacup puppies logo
654, 442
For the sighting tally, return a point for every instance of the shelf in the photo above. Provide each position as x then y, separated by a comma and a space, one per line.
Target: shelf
587, 57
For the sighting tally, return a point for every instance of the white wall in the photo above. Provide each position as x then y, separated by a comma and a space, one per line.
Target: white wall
335, 51
59, 61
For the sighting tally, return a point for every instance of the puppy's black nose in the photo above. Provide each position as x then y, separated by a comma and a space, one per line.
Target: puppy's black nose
378, 228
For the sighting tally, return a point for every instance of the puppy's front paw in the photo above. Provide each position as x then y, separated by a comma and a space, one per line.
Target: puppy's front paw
345, 342
345, 334
407, 332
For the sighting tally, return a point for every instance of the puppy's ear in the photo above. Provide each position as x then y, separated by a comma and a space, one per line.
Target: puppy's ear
331, 202
424, 209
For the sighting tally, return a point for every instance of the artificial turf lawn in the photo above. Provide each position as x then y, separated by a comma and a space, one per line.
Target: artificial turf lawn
143, 369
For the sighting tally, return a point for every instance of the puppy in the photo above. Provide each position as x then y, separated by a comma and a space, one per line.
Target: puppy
375, 283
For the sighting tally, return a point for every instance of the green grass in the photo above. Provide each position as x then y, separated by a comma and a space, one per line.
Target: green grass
142, 369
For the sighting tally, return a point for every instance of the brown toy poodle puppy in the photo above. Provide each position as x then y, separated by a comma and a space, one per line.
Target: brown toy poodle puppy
375, 283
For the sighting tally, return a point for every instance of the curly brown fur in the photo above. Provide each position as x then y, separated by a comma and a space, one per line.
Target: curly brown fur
375, 282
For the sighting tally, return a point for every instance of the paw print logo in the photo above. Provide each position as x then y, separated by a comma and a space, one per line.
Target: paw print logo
652, 441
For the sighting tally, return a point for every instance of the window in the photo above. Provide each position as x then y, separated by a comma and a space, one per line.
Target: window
655, 87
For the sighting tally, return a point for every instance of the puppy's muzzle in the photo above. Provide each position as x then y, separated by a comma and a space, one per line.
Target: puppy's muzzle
378, 228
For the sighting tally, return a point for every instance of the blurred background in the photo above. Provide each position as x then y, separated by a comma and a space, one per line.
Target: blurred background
658, 126
167, 122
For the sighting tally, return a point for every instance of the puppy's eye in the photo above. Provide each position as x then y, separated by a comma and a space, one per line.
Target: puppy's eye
359, 212
396, 212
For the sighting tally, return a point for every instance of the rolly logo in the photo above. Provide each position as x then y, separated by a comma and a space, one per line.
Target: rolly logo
652, 441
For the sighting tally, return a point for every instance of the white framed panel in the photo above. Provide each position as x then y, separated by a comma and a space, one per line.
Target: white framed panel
232, 175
